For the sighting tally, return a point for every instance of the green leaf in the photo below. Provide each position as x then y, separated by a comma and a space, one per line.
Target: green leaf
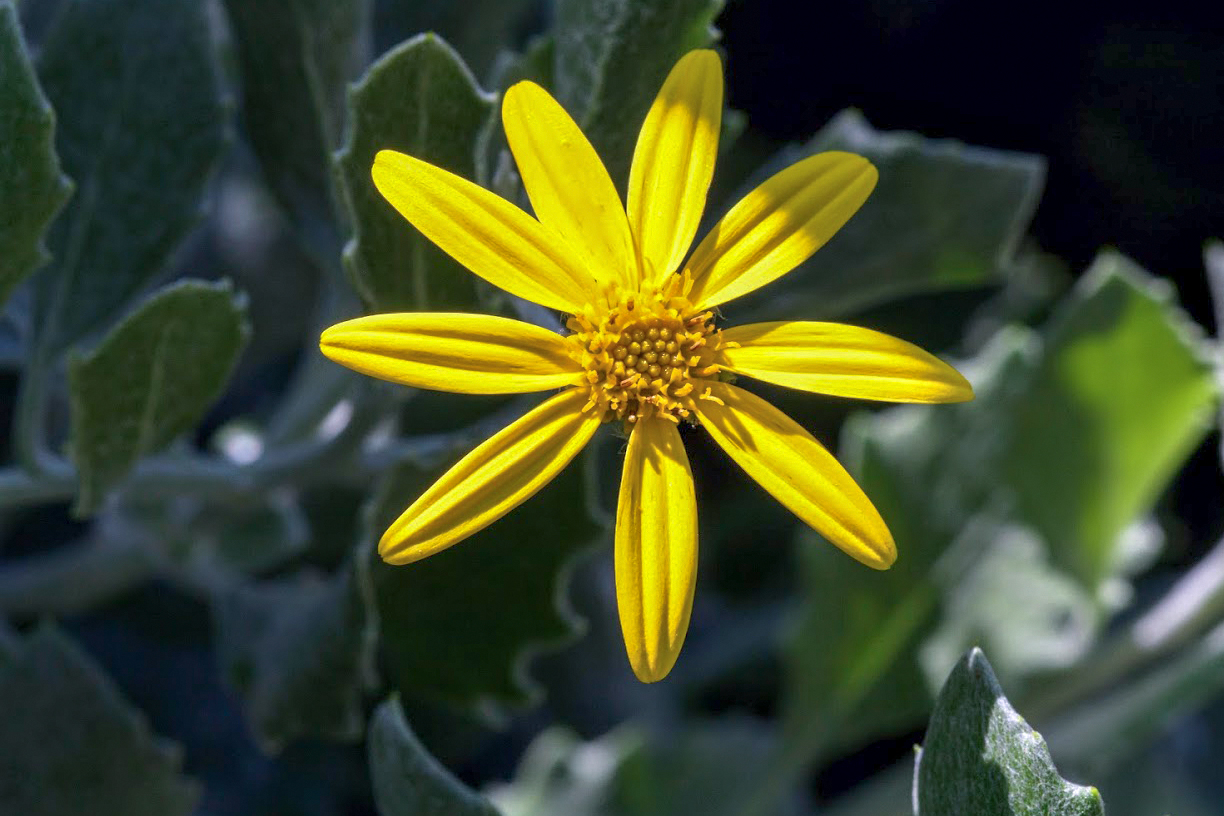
1125, 391
611, 59
408, 781
980, 756
418, 99
457, 627
294, 59
33, 187
151, 379
299, 651
944, 215
853, 668
72, 744
1071, 437
1031, 614
141, 151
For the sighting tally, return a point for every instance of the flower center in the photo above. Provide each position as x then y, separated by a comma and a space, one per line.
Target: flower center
646, 353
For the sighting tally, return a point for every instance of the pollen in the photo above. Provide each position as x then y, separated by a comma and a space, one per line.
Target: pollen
646, 352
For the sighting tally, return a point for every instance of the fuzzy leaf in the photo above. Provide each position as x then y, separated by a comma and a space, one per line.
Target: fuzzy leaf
139, 150
456, 627
980, 756
32, 188
299, 651
418, 99
72, 744
407, 780
944, 215
611, 58
151, 379
294, 59
1071, 437
1125, 391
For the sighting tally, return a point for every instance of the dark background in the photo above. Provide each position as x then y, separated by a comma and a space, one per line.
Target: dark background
1126, 101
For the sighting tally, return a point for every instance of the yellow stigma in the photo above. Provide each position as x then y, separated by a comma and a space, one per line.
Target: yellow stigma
646, 352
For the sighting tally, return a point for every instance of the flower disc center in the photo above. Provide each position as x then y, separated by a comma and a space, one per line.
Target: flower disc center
646, 353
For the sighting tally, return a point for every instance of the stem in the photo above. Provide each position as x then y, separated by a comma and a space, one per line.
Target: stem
1193, 604
73, 579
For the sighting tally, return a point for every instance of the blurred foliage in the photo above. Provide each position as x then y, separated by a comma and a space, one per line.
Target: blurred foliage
173, 450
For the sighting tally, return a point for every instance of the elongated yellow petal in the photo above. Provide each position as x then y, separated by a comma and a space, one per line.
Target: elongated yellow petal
788, 462
656, 548
779, 225
567, 183
493, 479
461, 353
674, 162
484, 232
845, 361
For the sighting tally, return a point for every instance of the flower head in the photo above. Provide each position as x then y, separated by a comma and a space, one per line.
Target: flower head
643, 349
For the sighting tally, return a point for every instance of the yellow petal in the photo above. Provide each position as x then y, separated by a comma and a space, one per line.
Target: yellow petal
568, 185
845, 361
656, 548
462, 353
484, 232
674, 162
779, 225
788, 462
493, 479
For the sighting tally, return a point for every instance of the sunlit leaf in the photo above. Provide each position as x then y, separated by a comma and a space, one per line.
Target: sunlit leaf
1044, 475
1124, 392
980, 756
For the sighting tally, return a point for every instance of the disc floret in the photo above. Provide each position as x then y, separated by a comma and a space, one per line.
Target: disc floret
646, 352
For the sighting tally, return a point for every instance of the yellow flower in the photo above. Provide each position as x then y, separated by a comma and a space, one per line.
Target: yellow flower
643, 348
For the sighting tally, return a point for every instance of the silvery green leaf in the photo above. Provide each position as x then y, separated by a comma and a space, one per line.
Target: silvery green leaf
407, 780
72, 744
294, 60
420, 99
611, 57
981, 757
32, 188
298, 650
1126, 390
944, 215
140, 151
1117, 384
151, 379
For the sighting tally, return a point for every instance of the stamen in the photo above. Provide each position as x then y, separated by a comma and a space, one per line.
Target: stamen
645, 352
